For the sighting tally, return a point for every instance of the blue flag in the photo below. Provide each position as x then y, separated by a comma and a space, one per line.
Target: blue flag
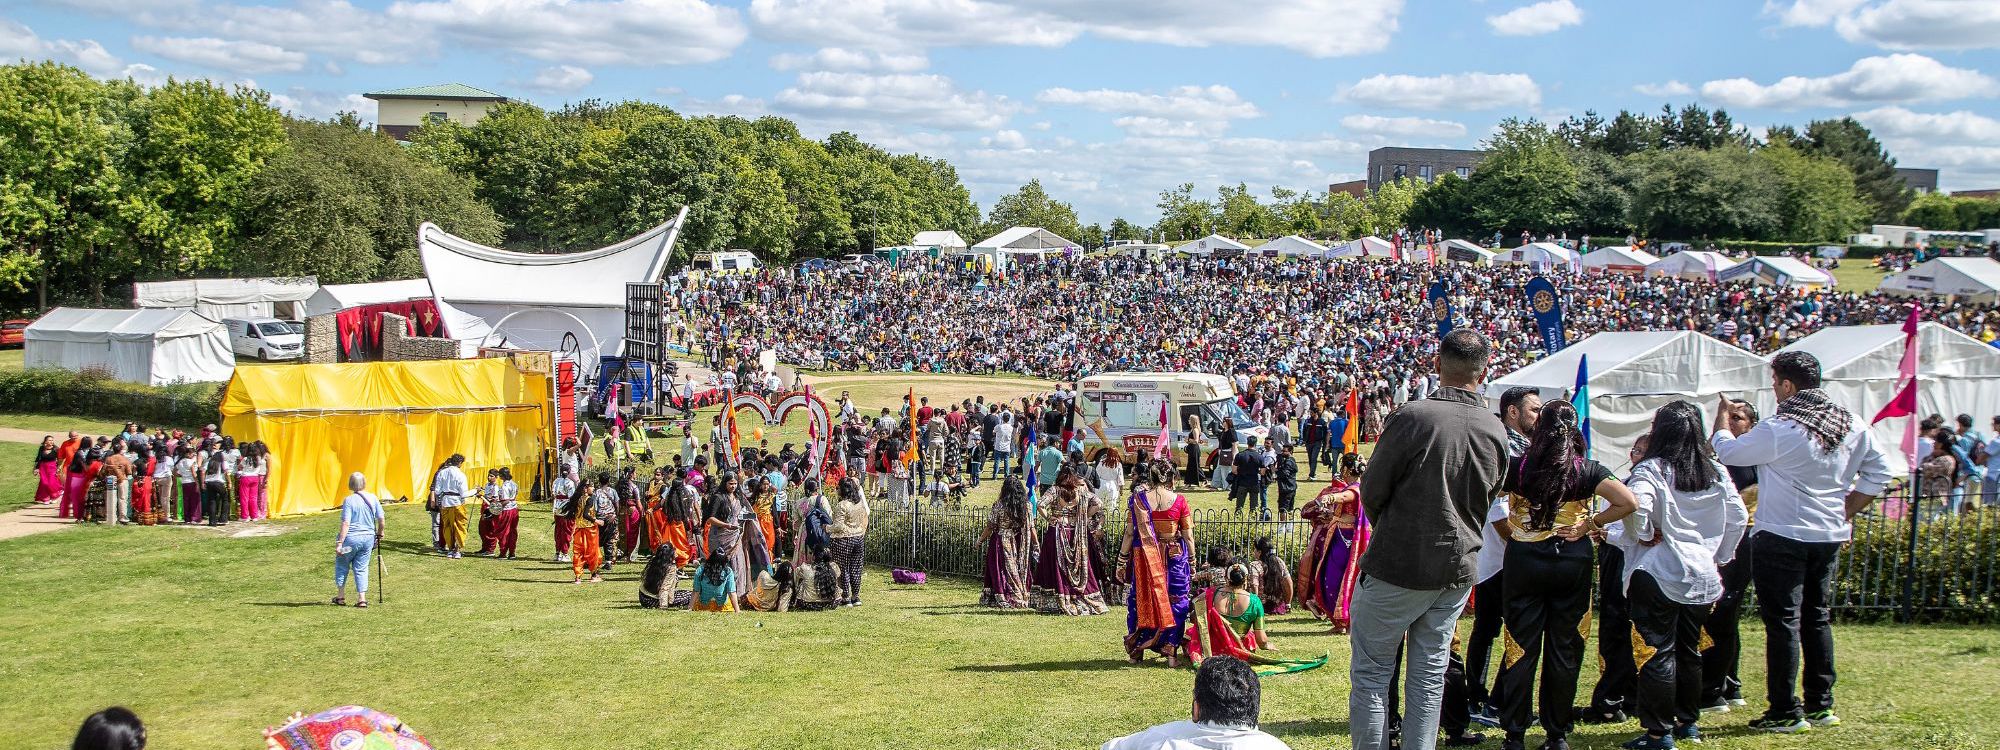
1546, 306
1580, 398
1028, 458
1441, 308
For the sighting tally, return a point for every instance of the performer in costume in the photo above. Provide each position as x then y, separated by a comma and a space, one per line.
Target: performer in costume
1156, 561
584, 519
1064, 581
1335, 517
1231, 623
1009, 540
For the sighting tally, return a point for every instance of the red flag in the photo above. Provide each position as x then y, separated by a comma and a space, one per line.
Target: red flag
1904, 404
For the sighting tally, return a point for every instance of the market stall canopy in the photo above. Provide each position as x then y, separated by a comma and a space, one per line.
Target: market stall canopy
1370, 245
1293, 244
226, 298
1977, 279
1212, 244
471, 331
1634, 373
945, 240
1020, 240
536, 299
1859, 366
151, 346
1538, 253
1463, 251
1777, 271
1691, 264
1617, 259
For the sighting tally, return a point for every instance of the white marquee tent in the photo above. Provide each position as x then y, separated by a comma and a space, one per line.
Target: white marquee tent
999, 249
1293, 244
1777, 271
535, 299
1634, 373
1976, 279
471, 331
1212, 244
227, 298
1366, 246
1538, 254
946, 241
1691, 264
1956, 374
1463, 251
154, 346
1617, 259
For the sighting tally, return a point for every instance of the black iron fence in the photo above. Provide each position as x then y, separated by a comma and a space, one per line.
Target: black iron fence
1953, 575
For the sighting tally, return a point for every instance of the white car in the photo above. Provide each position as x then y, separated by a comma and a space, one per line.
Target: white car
266, 339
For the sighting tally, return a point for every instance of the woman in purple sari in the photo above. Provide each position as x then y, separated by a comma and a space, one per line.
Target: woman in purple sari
1065, 581
1323, 568
1156, 560
1009, 539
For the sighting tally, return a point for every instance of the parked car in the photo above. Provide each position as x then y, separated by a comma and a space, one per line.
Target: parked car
14, 332
266, 339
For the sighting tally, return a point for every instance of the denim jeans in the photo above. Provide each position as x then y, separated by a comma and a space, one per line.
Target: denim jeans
1384, 616
360, 550
1000, 463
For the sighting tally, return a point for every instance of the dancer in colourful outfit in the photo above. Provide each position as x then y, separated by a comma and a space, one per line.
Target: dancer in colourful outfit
1008, 540
1335, 516
1156, 559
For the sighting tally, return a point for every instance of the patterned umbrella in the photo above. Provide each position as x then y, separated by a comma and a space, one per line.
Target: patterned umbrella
344, 728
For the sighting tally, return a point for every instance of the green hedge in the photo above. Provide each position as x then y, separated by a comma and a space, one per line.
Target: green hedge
95, 394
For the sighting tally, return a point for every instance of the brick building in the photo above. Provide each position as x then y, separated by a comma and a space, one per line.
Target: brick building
1390, 163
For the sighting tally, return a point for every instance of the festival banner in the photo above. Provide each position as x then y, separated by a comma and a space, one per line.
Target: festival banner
1546, 306
1441, 308
1580, 398
1904, 404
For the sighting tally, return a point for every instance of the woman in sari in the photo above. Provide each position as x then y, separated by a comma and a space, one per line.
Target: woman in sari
1008, 539
48, 472
1156, 560
1275, 582
753, 551
1065, 581
764, 498
722, 528
583, 518
1334, 516
1231, 623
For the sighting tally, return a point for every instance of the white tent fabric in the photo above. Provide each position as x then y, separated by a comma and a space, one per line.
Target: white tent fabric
471, 331
945, 240
154, 346
1632, 374
534, 299
1541, 254
1293, 244
1467, 252
1956, 374
1777, 271
1691, 264
225, 298
1210, 245
1617, 259
1976, 279
1366, 246
999, 248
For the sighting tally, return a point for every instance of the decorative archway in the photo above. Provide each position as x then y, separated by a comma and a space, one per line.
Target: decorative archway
775, 413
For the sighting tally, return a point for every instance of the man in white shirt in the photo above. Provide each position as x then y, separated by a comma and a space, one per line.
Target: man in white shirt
1226, 698
450, 488
1817, 466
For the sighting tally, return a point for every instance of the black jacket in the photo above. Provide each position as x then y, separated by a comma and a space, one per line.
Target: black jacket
1429, 483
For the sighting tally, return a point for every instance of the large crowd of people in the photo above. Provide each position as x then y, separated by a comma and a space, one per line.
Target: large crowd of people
154, 476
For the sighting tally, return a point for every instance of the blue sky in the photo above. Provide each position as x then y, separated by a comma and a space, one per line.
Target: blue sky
1107, 101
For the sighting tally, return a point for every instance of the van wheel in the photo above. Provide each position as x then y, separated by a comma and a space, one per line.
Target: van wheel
264, 355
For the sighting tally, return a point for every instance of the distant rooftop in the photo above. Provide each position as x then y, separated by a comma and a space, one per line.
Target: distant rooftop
438, 91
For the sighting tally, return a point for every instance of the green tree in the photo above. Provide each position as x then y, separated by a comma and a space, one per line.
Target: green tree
1184, 217
1389, 206
61, 138
1851, 143
1125, 230
1297, 212
1242, 214
1818, 200
663, 165
1345, 216
196, 146
763, 218
1695, 194
1031, 206
1527, 181
1604, 193
1445, 206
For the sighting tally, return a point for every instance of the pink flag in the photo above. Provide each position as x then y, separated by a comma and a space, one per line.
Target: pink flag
1166, 434
1904, 404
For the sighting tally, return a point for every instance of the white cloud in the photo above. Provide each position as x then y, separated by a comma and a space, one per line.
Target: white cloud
591, 32
560, 79
1956, 127
223, 54
1540, 18
1964, 146
1462, 91
1897, 78
1159, 127
1320, 28
319, 105
18, 42
1670, 88
1206, 103
1809, 12
1409, 127
926, 99
1043, 125
1900, 24
729, 104
334, 28
862, 61
1005, 139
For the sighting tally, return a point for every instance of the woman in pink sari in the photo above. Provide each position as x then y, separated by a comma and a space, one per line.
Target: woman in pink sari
48, 472
1336, 542
1156, 559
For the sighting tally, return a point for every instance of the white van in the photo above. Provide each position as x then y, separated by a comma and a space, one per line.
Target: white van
1129, 404
266, 339
727, 261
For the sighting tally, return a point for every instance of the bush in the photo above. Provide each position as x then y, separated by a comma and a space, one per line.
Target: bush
94, 394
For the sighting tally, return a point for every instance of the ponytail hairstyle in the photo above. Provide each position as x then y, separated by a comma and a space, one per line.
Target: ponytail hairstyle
1552, 464
1679, 442
1267, 553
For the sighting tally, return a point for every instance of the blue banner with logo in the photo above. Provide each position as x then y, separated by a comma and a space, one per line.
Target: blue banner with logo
1546, 305
1441, 308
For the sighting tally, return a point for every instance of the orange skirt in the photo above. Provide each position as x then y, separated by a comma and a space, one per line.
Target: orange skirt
676, 534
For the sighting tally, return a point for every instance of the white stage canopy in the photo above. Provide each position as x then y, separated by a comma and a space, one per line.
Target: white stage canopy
1691, 264
1463, 251
1293, 244
1538, 254
471, 331
998, 248
1956, 374
226, 298
943, 240
534, 299
1210, 244
153, 346
1777, 271
1977, 279
1632, 374
1366, 246
1617, 259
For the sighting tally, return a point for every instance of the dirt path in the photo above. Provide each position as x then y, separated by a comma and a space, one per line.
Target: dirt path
34, 519
17, 435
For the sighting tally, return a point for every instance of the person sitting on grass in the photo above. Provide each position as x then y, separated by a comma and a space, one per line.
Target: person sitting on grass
114, 728
1226, 696
714, 585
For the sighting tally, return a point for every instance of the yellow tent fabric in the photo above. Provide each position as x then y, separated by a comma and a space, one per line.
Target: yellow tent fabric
393, 421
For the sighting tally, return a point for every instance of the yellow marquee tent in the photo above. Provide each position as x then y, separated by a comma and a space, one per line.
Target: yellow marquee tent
394, 421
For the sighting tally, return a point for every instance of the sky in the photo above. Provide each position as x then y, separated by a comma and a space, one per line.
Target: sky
1108, 102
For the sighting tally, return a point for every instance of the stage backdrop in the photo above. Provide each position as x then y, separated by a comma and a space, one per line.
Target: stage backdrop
394, 421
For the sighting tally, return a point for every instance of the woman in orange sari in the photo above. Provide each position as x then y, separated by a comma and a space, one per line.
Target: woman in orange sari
583, 544
671, 516
1156, 559
1323, 567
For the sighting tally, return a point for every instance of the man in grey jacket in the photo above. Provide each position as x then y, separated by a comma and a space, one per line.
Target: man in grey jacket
1427, 489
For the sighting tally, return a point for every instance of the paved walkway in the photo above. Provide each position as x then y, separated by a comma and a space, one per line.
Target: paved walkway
34, 519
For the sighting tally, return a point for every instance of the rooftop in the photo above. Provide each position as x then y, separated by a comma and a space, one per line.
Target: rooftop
438, 91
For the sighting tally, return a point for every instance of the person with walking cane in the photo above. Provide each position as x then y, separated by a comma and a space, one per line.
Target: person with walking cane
360, 531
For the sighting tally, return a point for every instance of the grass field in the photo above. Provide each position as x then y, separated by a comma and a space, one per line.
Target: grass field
10, 359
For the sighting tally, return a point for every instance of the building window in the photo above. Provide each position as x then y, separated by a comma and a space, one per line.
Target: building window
1464, 171
1402, 170
437, 117
1424, 173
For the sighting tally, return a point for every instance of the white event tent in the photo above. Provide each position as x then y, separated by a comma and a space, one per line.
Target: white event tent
1293, 244
999, 249
1975, 279
1777, 271
1956, 374
1539, 255
227, 298
1617, 259
1634, 373
1211, 244
1463, 251
1691, 264
946, 241
535, 299
154, 346
1366, 246
471, 331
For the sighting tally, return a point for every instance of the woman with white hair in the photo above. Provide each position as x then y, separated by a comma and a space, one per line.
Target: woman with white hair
360, 528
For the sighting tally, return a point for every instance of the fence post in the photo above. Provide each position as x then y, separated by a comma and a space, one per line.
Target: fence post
1913, 509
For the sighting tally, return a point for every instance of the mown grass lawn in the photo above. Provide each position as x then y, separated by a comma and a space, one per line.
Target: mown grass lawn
212, 638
